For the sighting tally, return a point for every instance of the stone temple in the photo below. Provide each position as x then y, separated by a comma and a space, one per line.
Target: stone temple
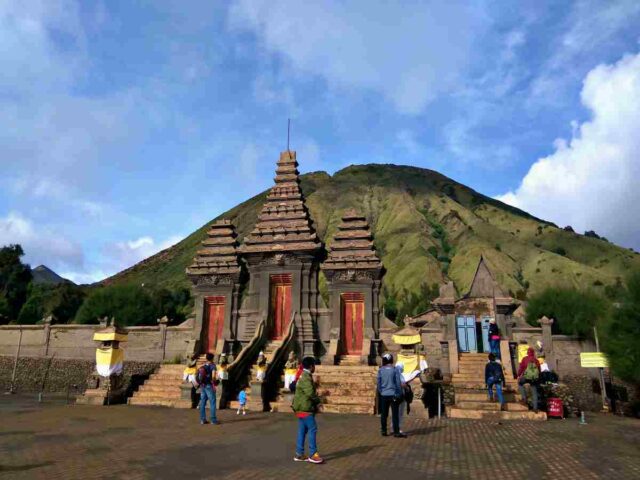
262, 296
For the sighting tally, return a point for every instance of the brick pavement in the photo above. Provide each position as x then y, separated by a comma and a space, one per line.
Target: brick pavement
58, 441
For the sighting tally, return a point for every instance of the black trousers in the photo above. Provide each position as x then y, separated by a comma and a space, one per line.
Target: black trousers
195, 397
385, 403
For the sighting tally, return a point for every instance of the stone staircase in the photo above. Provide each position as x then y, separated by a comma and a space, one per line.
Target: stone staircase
162, 388
342, 388
471, 394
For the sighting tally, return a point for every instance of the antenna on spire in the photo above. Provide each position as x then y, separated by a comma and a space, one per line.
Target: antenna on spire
288, 132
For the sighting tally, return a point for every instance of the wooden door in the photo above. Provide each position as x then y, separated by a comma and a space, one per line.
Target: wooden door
352, 323
280, 305
215, 307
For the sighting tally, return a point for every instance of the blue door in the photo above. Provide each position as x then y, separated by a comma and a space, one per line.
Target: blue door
467, 333
485, 334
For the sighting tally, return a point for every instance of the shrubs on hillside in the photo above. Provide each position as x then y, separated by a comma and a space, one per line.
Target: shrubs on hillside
134, 305
575, 312
62, 301
14, 282
620, 333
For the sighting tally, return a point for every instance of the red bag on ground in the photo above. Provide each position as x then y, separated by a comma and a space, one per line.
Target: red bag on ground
555, 408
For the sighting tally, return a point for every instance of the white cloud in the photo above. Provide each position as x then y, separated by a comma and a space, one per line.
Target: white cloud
410, 54
42, 244
406, 140
590, 181
121, 255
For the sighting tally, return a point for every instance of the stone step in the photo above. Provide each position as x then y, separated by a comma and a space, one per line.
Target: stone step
152, 387
478, 385
352, 409
346, 368
355, 399
163, 382
172, 367
160, 402
165, 376
455, 412
345, 392
481, 396
495, 406
168, 394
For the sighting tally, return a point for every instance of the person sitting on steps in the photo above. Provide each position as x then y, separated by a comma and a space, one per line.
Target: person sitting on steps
493, 375
529, 372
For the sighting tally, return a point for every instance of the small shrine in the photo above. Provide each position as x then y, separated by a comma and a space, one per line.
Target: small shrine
107, 385
411, 355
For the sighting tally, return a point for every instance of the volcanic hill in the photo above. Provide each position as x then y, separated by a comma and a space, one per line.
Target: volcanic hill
428, 229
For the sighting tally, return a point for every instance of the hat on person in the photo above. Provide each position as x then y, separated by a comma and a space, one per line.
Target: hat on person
192, 363
223, 354
387, 356
492, 320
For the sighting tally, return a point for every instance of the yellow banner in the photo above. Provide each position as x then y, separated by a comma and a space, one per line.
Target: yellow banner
594, 360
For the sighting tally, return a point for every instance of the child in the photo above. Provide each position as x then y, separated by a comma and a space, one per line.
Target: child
242, 400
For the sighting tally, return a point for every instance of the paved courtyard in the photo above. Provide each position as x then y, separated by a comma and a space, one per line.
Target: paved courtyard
53, 440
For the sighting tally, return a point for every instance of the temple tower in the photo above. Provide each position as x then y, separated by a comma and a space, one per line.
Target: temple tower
215, 274
354, 273
283, 254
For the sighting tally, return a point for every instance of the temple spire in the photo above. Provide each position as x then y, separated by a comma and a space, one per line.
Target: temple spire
284, 224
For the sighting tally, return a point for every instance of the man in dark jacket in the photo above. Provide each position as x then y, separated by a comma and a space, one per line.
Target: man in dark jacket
305, 404
493, 375
390, 394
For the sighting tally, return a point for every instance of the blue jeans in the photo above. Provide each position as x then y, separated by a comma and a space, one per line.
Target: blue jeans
498, 390
307, 425
207, 393
494, 346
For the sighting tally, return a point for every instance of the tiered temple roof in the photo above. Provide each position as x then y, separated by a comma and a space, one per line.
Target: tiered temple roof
352, 247
284, 224
218, 255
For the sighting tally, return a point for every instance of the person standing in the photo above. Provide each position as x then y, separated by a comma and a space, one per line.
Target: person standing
494, 376
389, 386
305, 406
207, 380
494, 338
529, 372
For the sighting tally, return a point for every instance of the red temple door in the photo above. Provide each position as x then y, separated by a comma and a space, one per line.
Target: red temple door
280, 305
215, 321
352, 323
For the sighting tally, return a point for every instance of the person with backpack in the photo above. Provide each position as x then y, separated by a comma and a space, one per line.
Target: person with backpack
207, 381
305, 406
493, 375
529, 372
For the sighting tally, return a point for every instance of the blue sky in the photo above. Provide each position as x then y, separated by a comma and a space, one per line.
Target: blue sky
127, 125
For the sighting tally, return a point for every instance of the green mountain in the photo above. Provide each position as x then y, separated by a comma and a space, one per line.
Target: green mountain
428, 229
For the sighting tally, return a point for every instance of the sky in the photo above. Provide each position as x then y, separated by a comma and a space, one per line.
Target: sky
128, 125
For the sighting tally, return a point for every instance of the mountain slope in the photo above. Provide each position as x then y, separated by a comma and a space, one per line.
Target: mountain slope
428, 229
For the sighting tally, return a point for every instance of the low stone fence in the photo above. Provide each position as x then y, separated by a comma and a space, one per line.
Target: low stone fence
144, 344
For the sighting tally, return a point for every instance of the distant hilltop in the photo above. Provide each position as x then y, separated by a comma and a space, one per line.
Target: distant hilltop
43, 275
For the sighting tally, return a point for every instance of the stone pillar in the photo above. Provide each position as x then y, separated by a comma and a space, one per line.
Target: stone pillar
162, 322
46, 334
547, 340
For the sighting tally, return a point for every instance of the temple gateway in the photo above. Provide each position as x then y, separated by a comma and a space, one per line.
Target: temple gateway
258, 308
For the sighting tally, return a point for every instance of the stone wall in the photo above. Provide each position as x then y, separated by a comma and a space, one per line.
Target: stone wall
60, 374
144, 344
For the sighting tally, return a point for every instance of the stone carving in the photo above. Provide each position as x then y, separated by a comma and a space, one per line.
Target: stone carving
214, 280
279, 259
351, 275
